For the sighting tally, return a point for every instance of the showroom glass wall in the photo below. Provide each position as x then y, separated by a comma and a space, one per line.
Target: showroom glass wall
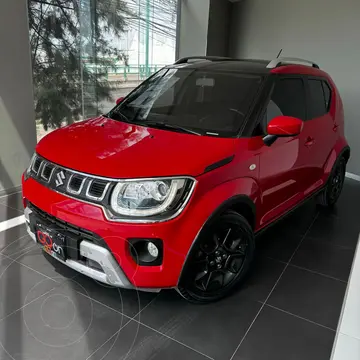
88, 53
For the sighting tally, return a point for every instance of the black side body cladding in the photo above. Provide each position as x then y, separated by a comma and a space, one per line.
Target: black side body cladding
230, 203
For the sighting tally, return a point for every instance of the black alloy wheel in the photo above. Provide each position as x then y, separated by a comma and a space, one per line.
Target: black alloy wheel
219, 260
337, 182
333, 190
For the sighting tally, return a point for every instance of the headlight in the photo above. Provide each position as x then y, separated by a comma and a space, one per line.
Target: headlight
144, 198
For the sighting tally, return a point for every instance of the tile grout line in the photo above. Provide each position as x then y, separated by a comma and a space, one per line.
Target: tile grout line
319, 239
25, 305
300, 317
139, 321
273, 288
345, 310
109, 307
143, 324
318, 273
80, 293
13, 241
118, 331
177, 341
311, 271
103, 304
13, 193
38, 272
30, 268
23, 251
11, 207
58, 282
157, 331
30, 302
138, 313
109, 339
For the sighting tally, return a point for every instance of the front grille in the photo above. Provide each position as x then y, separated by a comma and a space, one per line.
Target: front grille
36, 165
46, 171
76, 183
66, 181
96, 189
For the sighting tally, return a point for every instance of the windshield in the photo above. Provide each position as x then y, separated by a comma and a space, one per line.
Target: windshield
191, 100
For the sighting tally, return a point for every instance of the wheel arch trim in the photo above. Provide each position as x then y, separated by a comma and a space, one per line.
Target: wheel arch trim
230, 203
226, 205
334, 157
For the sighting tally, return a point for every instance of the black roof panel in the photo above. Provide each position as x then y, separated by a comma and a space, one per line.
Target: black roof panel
245, 66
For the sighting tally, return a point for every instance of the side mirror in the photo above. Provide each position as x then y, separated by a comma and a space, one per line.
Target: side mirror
119, 100
282, 126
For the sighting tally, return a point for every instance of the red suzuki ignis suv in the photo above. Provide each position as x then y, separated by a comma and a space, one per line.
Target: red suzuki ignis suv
169, 188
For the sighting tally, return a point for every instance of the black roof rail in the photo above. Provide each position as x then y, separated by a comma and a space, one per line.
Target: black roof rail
290, 61
185, 60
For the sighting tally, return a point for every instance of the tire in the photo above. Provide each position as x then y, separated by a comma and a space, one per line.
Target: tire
219, 260
330, 195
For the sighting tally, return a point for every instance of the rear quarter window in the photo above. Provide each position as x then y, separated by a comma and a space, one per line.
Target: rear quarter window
327, 95
317, 105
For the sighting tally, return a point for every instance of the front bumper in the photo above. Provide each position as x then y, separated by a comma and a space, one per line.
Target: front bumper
177, 235
111, 273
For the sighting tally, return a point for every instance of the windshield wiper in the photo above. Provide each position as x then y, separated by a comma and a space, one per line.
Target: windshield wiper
114, 114
163, 125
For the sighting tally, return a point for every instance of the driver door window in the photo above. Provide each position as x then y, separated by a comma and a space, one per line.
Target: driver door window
272, 111
288, 99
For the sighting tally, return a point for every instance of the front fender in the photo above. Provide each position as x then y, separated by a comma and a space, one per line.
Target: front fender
207, 204
213, 200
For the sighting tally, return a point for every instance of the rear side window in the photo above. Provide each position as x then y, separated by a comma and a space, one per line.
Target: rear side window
317, 105
288, 98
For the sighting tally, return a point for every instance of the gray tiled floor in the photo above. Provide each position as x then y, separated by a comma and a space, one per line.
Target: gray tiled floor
287, 309
7, 212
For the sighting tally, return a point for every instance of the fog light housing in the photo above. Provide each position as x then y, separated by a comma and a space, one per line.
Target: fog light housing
146, 252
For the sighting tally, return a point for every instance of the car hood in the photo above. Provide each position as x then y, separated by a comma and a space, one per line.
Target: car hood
110, 148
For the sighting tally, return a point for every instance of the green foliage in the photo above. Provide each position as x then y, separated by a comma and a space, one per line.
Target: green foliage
63, 33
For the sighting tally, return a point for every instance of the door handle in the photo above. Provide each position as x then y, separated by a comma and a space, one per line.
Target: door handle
335, 128
309, 141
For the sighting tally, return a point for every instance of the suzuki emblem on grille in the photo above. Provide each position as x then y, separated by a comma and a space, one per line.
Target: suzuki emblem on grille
60, 176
